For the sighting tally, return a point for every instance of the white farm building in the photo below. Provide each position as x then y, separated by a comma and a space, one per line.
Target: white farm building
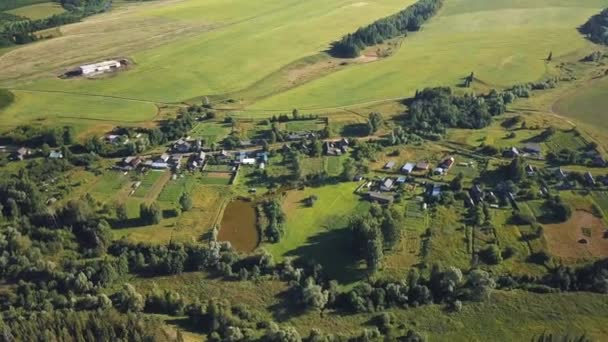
100, 67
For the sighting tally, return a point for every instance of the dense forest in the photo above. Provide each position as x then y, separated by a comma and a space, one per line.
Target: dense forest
596, 28
408, 20
22, 31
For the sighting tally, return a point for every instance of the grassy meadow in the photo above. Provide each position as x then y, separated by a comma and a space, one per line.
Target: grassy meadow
319, 233
586, 104
38, 11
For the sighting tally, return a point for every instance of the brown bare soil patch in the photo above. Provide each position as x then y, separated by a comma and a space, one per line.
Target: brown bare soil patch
239, 226
580, 237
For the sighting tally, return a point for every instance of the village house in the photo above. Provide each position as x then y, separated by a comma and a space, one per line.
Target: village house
182, 146
115, 139
408, 168
533, 148
21, 153
389, 165
476, 193
56, 155
387, 184
589, 178
163, 158
513, 152
422, 166
130, 163
530, 170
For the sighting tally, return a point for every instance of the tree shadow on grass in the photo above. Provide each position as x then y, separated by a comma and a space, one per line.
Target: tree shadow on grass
355, 130
332, 250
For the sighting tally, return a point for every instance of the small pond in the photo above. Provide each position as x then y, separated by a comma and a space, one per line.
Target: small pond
239, 226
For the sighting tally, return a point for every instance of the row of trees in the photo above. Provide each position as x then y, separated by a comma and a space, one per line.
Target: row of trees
409, 19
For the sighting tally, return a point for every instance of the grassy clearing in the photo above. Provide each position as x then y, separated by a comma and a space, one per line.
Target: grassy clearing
38, 11
110, 183
434, 56
210, 132
586, 104
319, 233
301, 126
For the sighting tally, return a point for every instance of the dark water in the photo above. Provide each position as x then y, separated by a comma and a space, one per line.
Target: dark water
238, 226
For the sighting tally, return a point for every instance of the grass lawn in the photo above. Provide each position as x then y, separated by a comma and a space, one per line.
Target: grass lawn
110, 184
319, 233
38, 11
510, 39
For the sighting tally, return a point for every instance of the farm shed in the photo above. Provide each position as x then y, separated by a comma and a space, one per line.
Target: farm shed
89, 69
387, 184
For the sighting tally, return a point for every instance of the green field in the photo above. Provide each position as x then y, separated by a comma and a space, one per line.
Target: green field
319, 233
587, 104
38, 11
195, 48
561, 140
210, 132
147, 183
12, 4
493, 30
174, 189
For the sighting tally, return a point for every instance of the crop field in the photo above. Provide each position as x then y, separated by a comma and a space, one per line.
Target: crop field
319, 233
433, 56
561, 140
587, 104
38, 11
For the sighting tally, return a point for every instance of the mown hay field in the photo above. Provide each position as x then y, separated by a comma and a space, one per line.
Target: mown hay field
503, 42
182, 49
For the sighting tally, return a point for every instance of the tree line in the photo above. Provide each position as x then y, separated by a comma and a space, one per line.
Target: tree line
23, 31
596, 28
407, 20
